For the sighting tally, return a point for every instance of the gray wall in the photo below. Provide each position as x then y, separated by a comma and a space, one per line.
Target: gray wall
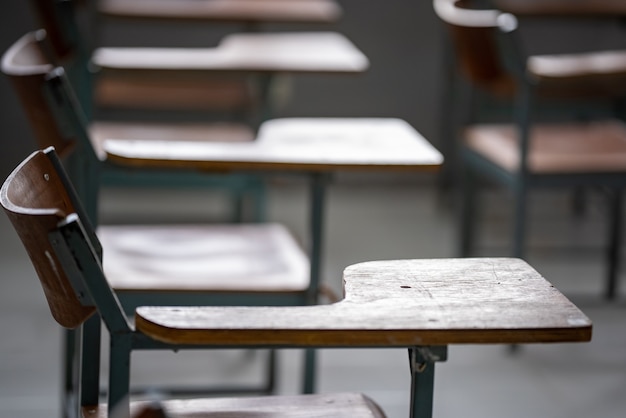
402, 38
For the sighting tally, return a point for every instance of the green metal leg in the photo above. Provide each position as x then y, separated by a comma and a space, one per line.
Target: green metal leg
255, 192
614, 246
310, 366
69, 406
449, 120
272, 371
520, 224
90, 362
468, 212
317, 201
119, 374
422, 361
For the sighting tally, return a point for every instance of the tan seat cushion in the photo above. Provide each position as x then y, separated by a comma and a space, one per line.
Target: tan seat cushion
554, 148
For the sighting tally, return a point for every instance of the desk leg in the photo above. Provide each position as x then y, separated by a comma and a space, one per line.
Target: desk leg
422, 361
316, 226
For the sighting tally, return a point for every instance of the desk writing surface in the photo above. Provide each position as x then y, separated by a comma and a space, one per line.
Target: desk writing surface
293, 144
582, 8
394, 303
286, 11
296, 52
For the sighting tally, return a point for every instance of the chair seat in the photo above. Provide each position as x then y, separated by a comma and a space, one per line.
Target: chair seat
339, 405
598, 147
196, 258
174, 132
319, 11
175, 92
578, 65
595, 74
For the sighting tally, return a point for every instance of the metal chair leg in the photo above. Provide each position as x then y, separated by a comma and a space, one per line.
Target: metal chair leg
119, 374
422, 363
614, 245
90, 362
69, 405
310, 364
519, 222
468, 213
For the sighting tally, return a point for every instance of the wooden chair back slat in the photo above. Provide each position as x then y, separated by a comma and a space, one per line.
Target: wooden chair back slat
35, 200
26, 65
475, 47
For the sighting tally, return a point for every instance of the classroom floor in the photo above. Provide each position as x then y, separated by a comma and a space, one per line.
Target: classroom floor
384, 220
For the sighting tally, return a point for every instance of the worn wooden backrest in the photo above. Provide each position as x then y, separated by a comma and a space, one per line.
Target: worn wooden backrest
28, 68
472, 33
36, 199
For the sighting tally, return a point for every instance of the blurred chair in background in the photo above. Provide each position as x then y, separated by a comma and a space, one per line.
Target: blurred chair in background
535, 147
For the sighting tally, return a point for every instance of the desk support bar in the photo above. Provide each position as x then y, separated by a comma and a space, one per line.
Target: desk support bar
316, 230
317, 202
422, 361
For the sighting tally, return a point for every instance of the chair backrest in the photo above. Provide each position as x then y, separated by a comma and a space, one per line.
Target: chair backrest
472, 32
28, 67
45, 211
54, 112
35, 199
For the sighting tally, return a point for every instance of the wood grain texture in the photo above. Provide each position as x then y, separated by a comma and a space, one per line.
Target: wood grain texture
595, 147
30, 198
285, 11
202, 258
584, 8
294, 52
394, 304
340, 405
299, 144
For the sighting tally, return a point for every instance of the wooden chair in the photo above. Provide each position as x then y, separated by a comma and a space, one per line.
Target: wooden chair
179, 92
249, 14
182, 94
532, 150
183, 80
37, 197
405, 303
275, 277
119, 90
165, 77
583, 84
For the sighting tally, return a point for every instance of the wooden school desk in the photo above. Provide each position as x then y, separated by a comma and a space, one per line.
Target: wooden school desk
423, 305
260, 55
